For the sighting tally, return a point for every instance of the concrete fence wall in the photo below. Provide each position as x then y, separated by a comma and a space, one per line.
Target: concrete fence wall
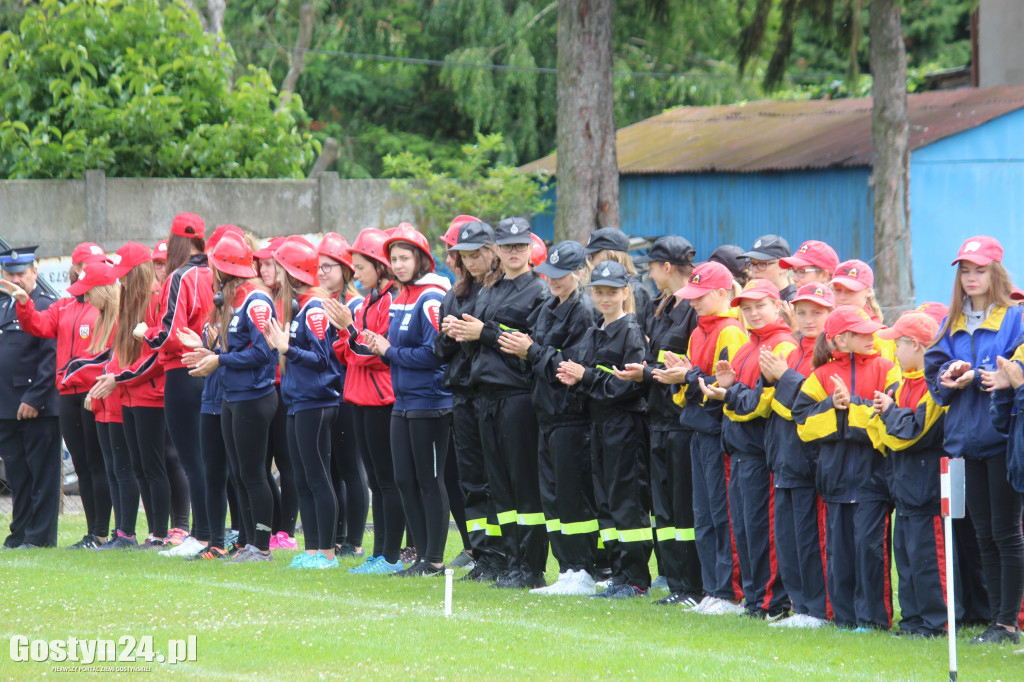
57, 214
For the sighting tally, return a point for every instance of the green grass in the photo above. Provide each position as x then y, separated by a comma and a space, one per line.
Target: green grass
259, 620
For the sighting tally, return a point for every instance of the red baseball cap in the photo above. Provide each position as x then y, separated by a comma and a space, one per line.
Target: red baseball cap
95, 274
188, 225
267, 252
849, 318
128, 256
451, 236
1017, 294
937, 311
706, 277
980, 251
87, 252
812, 253
219, 233
855, 275
914, 325
160, 250
755, 290
816, 293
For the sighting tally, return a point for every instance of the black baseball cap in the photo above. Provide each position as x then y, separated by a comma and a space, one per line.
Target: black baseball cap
609, 274
769, 247
669, 249
607, 239
513, 231
732, 257
472, 236
563, 258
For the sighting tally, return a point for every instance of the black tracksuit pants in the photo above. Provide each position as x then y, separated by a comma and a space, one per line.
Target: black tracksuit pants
124, 487
78, 428
919, 552
183, 397
419, 448
619, 456
309, 439
32, 459
508, 435
144, 431
245, 425
567, 494
286, 495
859, 546
349, 479
711, 525
481, 522
215, 464
800, 548
752, 510
672, 501
371, 427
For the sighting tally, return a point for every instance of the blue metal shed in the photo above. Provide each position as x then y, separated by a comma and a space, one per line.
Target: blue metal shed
729, 174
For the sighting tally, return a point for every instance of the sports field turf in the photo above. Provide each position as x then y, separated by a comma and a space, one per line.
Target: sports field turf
262, 621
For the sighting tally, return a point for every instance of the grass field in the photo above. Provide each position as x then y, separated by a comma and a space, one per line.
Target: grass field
261, 621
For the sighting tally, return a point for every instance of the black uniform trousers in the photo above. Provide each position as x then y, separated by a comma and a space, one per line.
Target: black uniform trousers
672, 500
858, 543
481, 522
32, 460
920, 555
618, 441
711, 525
508, 435
567, 494
799, 546
752, 510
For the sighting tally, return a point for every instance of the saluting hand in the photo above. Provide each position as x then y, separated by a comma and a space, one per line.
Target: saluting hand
14, 291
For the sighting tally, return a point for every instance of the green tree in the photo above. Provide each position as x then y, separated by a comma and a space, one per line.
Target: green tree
135, 88
469, 184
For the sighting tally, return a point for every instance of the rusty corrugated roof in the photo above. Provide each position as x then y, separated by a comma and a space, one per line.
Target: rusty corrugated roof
773, 136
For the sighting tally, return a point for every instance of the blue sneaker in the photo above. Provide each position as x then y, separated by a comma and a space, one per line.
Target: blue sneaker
364, 568
320, 561
382, 567
300, 560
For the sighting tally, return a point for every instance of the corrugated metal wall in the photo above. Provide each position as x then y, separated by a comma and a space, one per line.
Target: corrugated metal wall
968, 184
737, 208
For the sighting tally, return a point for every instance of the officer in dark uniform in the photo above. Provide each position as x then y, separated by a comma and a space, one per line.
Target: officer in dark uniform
29, 425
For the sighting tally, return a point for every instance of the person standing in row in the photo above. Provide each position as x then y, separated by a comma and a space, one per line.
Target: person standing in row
310, 390
29, 420
507, 422
611, 243
70, 321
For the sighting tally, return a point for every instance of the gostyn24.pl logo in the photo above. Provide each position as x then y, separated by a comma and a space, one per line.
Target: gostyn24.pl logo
126, 649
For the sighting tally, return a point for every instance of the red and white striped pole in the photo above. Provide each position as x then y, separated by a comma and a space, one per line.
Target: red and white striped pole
951, 479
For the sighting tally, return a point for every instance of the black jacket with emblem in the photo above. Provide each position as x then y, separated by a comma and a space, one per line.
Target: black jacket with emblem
29, 362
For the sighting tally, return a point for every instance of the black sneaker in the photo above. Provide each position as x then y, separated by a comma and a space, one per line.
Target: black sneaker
347, 550
608, 592
762, 614
684, 599
421, 568
506, 580
87, 542
997, 634
483, 572
119, 541
408, 555
152, 543
531, 580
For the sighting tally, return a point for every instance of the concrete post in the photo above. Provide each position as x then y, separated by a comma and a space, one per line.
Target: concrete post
330, 201
96, 206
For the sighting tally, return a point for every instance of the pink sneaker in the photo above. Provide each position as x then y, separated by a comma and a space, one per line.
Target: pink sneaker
176, 536
283, 541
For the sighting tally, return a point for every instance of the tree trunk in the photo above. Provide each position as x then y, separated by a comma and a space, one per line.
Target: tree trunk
587, 172
890, 177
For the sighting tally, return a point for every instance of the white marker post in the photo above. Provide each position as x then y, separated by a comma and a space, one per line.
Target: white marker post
449, 575
951, 478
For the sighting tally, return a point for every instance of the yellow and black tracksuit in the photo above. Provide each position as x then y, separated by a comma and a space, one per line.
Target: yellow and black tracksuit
618, 445
715, 338
799, 509
566, 478
911, 431
851, 480
671, 473
751, 493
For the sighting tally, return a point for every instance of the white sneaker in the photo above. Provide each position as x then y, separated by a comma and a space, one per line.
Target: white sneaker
563, 577
723, 608
189, 547
579, 584
707, 602
791, 622
810, 622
